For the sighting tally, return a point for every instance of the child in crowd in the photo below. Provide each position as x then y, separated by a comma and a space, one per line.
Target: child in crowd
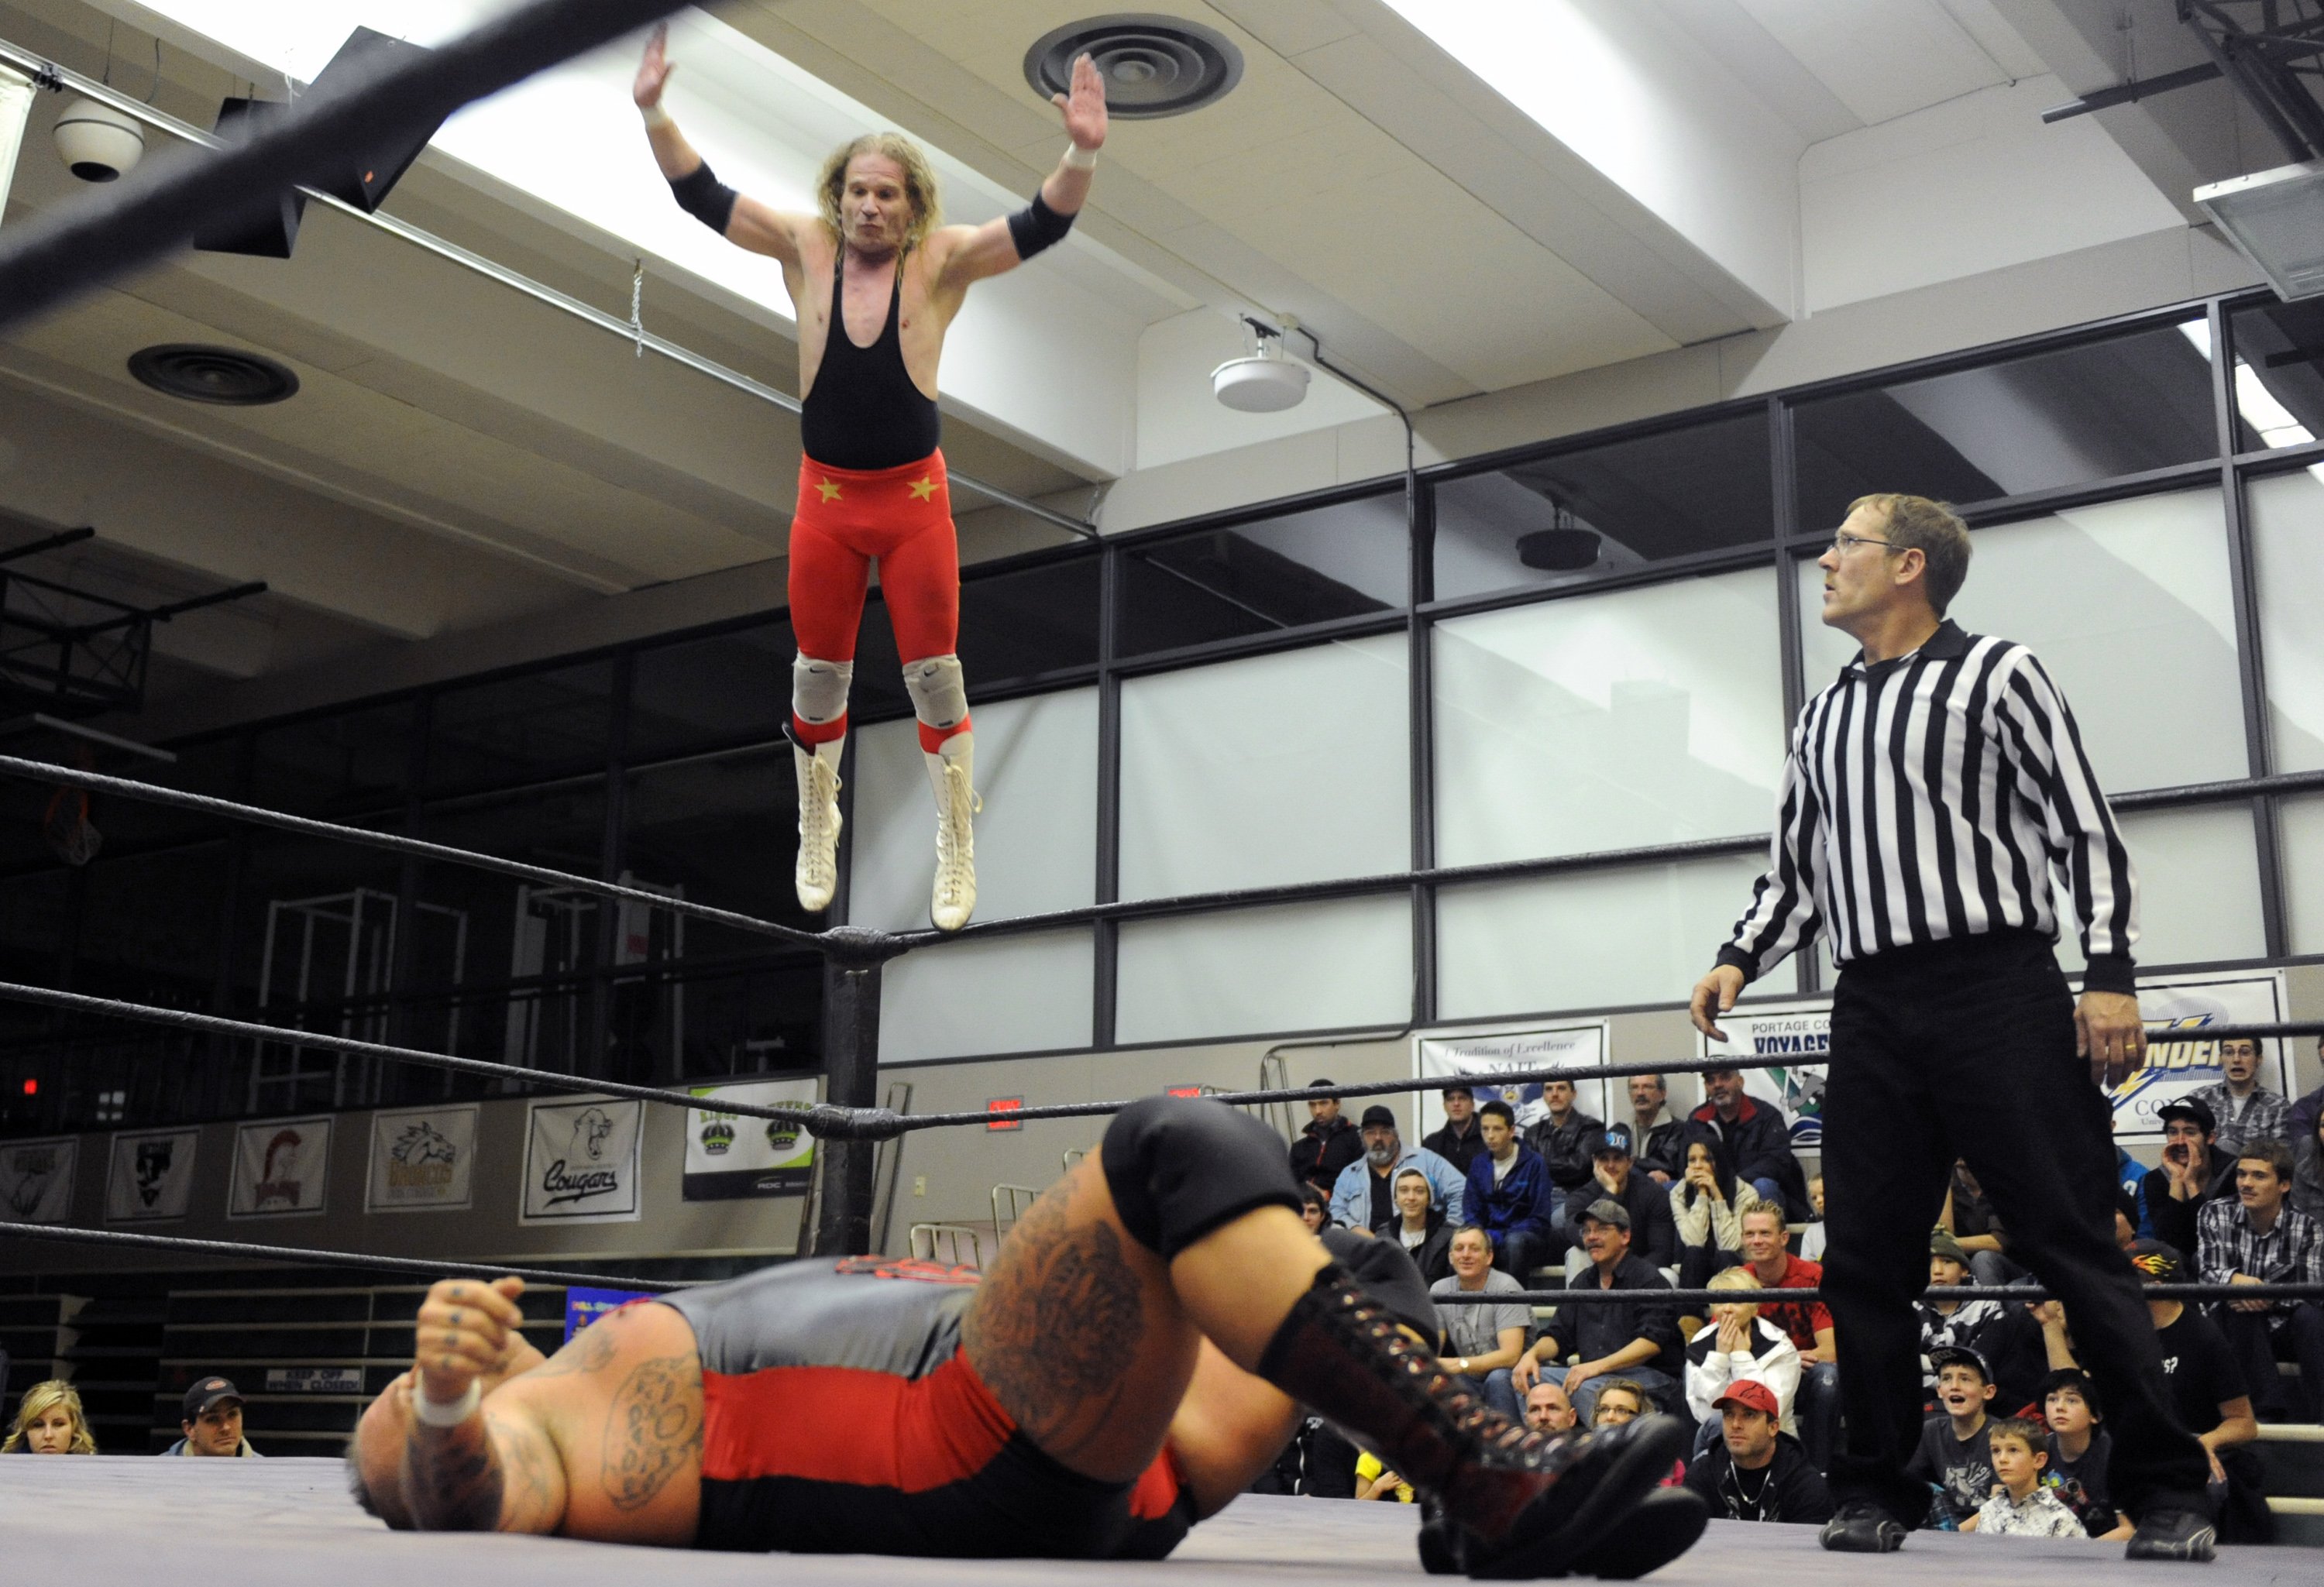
2078, 1450
1375, 1480
1955, 1457
2021, 1505
1811, 1237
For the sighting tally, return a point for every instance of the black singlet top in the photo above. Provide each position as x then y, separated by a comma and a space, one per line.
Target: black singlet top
863, 411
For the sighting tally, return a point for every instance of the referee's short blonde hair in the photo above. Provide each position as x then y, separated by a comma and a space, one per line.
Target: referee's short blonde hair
1933, 528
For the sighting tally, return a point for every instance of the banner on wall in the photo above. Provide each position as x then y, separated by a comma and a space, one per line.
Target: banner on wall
1477, 1055
151, 1176
1801, 1029
585, 1306
422, 1160
729, 1157
2176, 1066
581, 1162
36, 1180
281, 1168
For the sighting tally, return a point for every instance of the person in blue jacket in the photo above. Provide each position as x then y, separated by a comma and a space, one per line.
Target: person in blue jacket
1363, 1197
1511, 1195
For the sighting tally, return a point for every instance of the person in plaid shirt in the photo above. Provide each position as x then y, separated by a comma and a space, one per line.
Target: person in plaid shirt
2257, 1239
2244, 1109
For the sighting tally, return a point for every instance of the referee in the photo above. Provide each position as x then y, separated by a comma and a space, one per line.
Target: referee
1928, 797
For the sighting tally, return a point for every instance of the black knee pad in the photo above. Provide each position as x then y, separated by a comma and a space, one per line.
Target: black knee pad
1179, 1167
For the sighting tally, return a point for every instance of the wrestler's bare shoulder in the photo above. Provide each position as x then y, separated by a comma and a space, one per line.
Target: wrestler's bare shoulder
622, 1402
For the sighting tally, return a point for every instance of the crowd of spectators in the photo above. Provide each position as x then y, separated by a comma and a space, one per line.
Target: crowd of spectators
2014, 1441
50, 1420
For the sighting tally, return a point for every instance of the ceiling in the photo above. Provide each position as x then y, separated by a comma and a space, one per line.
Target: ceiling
461, 456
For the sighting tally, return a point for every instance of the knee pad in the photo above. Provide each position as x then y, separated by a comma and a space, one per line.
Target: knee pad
939, 697
819, 689
1179, 1167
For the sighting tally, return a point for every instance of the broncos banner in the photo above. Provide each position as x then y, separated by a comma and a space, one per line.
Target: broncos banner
581, 1162
1801, 1031
422, 1160
36, 1180
281, 1168
151, 1176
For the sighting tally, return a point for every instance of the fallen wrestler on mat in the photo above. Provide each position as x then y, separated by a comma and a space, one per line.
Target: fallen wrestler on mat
876, 283
1138, 1354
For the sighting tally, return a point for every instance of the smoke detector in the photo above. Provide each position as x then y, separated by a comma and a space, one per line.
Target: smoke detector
1152, 66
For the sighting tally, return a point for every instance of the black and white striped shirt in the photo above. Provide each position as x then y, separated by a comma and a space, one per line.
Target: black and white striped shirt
1931, 796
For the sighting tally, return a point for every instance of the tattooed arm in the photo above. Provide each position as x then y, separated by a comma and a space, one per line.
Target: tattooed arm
498, 1469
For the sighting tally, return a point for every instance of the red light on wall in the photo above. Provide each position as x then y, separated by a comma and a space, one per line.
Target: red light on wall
31, 1088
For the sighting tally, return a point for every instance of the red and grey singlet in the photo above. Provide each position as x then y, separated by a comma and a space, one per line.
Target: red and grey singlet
840, 1416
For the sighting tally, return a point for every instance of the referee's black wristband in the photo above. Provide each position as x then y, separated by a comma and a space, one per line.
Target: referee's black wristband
703, 196
2110, 973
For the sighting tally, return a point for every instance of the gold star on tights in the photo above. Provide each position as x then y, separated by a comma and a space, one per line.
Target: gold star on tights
829, 488
924, 489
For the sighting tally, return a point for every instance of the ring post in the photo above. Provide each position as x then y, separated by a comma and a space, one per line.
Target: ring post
851, 1057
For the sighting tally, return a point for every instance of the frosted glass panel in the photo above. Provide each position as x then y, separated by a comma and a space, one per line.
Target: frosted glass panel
1600, 939
2300, 824
2197, 889
1004, 994
1278, 769
2127, 606
1291, 967
1035, 840
2287, 521
1609, 721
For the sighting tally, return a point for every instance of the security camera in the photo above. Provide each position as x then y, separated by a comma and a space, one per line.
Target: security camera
97, 143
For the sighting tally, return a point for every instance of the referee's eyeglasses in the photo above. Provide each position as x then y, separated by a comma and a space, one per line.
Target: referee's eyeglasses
1844, 542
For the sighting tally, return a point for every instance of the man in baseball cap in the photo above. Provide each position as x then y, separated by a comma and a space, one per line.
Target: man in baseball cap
212, 1421
1364, 1196
1637, 1339
1614, 1177
1757, 1471
2172, 1197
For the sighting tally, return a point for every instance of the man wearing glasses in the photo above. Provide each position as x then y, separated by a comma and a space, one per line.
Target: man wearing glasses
1928, 797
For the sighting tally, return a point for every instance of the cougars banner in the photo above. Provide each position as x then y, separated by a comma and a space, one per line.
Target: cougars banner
728, 1156
36, 1180
2176, 1066
152, 1176
581, 1162
1801, 1029
422, 1160
281, 1168
1477, 1055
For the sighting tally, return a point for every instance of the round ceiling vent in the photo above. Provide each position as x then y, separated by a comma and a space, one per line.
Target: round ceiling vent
1152, 66
223, 375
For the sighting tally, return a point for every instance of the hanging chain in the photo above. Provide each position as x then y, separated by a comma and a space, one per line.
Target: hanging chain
638, 307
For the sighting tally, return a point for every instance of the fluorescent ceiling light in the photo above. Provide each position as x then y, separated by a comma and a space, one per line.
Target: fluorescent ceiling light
2277, 218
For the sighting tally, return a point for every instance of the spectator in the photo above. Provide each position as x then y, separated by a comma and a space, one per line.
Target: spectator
1756, 1471
1547, 1408
1654, 1129
1978, 1228
1459, 1142
2126, 1217
1364, 1196
1653, 1231
2257, 1239
1756, 1135
1314, 1208
1955, 1322
2243, 1109
1739, 1346
1811, 1237
2171, 1198
1954, 1457
1327, 1147
1622, 1401
1636, 1338
2020, 1505
2308, 1172
1509, 1194
1482, 1342
1419, 1228
1561, 1138
1707, 1205
1375, 1480
2079, 1452
1807, 1324
2304, 1126
49, 1421
212, 1423
2208, 1398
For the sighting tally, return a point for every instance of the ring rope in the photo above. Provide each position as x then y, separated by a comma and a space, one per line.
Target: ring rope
427, 1265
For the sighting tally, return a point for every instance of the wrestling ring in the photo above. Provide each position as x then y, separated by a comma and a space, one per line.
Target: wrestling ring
290, 1521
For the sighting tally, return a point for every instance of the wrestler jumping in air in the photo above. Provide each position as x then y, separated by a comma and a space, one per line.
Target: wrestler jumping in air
876, 283
1136, 1356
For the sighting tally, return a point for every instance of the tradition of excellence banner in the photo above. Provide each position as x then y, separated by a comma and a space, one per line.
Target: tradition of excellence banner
1477, 1055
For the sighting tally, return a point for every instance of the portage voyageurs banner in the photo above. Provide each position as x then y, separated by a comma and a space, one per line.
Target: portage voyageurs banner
1477, 1055
581, 1162
281, 1168
36, 1180
422, 1160
150, 1177
1800, 1030
729, 1157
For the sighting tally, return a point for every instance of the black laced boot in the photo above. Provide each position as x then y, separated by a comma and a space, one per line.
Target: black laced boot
1525, 1504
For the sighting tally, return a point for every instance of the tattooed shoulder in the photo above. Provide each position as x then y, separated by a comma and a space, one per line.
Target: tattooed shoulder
1050, 1329
654, 1430
589, 1350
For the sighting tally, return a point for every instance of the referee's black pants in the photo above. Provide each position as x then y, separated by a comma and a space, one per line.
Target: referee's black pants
1966, 1048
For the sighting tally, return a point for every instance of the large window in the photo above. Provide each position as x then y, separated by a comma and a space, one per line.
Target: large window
1351, 559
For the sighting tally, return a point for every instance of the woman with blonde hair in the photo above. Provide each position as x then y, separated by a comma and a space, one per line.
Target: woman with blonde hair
49, 1421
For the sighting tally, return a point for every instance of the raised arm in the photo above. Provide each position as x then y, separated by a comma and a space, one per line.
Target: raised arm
468, 1467
739, 219
965, 255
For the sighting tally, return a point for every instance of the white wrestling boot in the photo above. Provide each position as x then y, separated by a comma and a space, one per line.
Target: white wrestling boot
952, 774
817, 876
